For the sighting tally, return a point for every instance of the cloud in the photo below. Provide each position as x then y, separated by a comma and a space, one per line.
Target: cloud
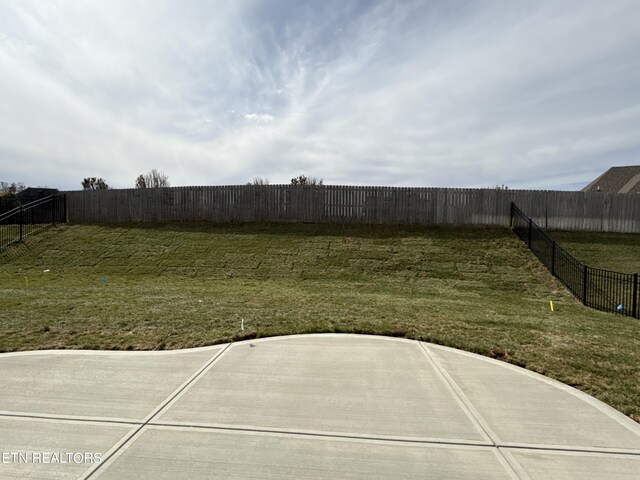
259, 117
392, 93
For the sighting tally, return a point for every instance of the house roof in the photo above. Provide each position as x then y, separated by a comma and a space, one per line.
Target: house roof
617, 180
35, 193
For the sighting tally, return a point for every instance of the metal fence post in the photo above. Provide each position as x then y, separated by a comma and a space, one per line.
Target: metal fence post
635, 295
553, 258
530, 227
20, 222
584, 284
53, 210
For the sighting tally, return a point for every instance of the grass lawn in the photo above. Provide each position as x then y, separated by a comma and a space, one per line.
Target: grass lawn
186, 285
611, 251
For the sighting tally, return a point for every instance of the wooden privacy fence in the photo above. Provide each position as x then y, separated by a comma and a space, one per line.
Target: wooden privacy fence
348, 204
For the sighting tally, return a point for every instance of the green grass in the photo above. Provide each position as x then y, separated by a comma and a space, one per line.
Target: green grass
611, 251
186, 285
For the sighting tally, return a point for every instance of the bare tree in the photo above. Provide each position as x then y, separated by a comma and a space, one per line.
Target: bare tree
304, 180
141, 182
156, 179
13, 187
93, 183
259, 181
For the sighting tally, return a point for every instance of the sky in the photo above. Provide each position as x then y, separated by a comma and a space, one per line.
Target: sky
535, 94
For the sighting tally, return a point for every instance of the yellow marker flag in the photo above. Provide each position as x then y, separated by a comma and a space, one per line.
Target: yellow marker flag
26, 281
551, 304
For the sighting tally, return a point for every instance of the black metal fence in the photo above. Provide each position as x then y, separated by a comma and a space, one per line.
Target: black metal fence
600, 289
30, 218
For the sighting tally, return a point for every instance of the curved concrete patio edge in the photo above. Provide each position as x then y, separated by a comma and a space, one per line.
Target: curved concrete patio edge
361, 405
83, 351
600, 405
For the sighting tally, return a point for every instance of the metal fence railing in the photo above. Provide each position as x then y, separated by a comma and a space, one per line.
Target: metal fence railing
600, 289
30, 218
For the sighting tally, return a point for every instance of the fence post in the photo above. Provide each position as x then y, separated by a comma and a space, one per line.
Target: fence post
65, 215
553, 258
511, 222
530, 226
635, 295
20, 222
53, 210
584, 284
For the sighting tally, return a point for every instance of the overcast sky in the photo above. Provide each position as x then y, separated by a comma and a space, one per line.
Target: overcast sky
529, 94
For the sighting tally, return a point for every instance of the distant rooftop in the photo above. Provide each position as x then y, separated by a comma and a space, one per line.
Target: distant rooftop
617, 180
35, 193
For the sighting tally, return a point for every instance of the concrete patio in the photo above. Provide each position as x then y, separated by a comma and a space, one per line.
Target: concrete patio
309, 406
